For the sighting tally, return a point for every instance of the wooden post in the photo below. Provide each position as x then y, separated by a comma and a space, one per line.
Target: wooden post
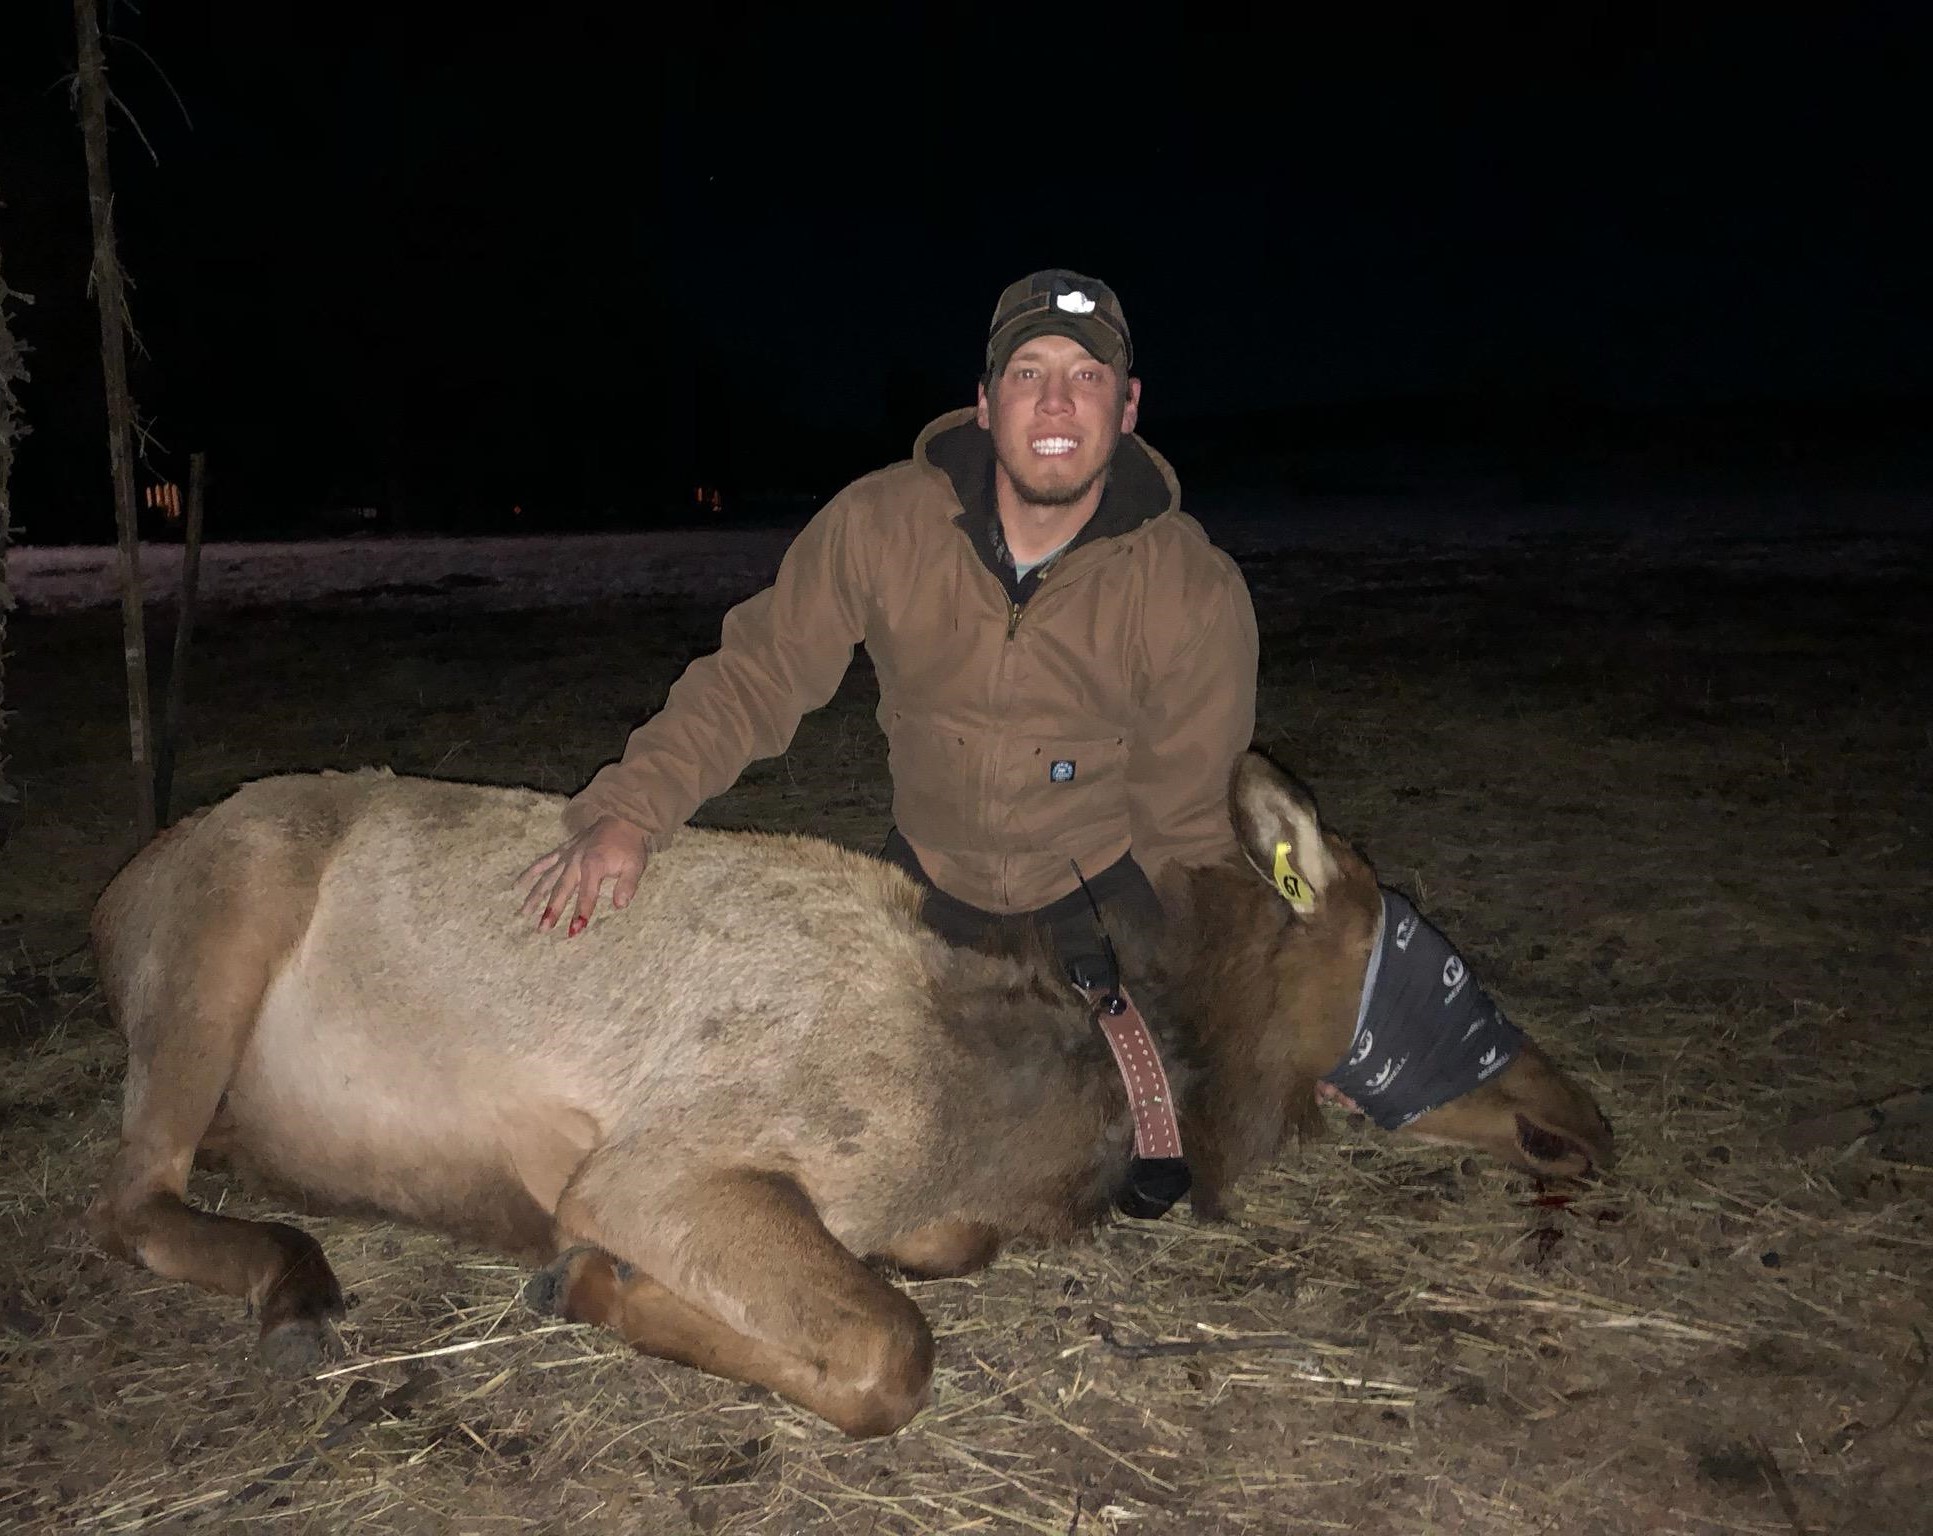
184, 631
111, 302
12, 371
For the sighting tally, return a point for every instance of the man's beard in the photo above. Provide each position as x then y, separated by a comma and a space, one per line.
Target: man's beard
1034, 495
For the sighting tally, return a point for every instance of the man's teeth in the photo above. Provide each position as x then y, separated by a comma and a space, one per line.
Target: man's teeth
1054, 445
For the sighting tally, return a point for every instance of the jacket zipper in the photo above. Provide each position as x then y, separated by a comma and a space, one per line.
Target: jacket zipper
1014, 610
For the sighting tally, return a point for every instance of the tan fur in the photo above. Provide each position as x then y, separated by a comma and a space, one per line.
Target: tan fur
761, 1070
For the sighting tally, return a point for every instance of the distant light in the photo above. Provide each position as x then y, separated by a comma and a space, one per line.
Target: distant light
166, 497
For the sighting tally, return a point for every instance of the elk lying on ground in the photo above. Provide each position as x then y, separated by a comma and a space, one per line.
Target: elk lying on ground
707, 1113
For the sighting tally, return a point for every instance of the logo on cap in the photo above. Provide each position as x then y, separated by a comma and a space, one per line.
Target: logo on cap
1058, 302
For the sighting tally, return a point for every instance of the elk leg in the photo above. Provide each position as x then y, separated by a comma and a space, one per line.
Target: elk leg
186, 1036
942, 1251
735, 1274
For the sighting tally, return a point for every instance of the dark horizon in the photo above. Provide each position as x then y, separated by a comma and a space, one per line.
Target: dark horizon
558, 264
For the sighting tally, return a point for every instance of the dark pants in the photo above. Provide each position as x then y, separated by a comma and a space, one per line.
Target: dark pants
1129, 907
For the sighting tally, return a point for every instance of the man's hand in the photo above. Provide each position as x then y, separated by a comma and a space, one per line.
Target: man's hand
608, 849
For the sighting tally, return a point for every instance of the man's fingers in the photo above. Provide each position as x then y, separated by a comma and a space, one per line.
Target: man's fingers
541, 890
587, 889
627, 885
572, 875
530, 875
566, 886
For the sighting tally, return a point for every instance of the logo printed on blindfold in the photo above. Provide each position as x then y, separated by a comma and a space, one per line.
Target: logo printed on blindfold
1062, 771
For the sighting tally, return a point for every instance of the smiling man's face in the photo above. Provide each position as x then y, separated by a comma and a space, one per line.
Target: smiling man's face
1056, 413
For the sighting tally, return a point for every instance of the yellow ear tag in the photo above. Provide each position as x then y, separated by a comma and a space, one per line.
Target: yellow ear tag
1288, 880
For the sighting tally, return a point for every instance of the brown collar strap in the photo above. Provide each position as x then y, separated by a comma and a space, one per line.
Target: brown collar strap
1156, 1131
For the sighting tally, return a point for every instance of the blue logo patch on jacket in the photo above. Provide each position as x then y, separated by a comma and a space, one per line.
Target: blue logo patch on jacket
1062, 771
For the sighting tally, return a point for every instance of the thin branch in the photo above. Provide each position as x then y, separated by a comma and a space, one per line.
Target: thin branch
160, 74
134, 123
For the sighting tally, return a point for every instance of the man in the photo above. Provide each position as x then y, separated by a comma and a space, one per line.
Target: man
1066, 665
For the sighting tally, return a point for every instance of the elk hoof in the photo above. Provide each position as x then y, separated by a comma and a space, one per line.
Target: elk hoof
295, 1347
1208, 1205
544, 1291
548, 1292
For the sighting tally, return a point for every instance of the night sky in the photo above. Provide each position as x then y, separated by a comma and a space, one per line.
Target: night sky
574, 264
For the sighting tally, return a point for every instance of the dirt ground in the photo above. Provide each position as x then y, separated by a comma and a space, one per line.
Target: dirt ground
1674, 807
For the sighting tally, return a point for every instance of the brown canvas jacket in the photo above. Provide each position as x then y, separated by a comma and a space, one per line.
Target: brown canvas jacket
1130, 662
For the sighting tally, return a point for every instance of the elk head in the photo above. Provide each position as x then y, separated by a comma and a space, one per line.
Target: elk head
1386, 1011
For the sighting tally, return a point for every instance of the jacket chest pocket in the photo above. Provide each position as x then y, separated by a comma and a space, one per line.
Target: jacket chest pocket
1063, 789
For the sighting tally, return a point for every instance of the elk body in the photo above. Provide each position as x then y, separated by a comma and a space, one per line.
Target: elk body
706, 1114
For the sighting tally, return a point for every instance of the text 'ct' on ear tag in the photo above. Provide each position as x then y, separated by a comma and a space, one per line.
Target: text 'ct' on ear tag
1288, 880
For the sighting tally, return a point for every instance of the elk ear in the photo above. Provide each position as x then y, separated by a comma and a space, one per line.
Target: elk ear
1280, 833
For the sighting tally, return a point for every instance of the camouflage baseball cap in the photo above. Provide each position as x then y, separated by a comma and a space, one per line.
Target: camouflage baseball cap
1060, 303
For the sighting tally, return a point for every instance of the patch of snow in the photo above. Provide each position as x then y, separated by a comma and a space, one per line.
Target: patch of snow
1796, 536
437, 573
